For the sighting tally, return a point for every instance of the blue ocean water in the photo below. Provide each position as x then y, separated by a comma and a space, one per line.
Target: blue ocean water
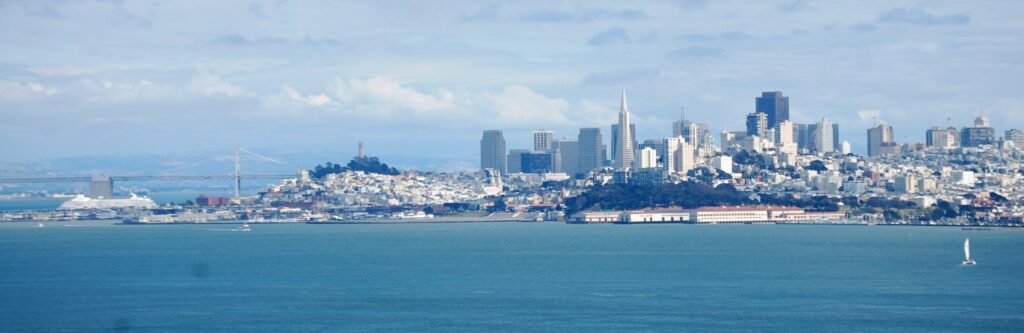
507, 277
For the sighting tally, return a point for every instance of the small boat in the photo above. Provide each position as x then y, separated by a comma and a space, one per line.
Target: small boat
967, 253
244, 227
40, 225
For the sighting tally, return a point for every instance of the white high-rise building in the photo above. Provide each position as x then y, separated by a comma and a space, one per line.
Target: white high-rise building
878, 136
542, 139
671, 148
845, 147
784, 134
623, 153
722, 162
684, 157
823, 139
648, 158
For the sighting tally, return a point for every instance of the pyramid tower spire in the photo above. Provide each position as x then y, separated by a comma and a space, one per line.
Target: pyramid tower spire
624, 108
624, 149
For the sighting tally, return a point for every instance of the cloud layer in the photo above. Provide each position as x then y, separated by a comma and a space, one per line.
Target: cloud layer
426, 78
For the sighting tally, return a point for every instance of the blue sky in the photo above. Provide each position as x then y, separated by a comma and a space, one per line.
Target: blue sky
425, 78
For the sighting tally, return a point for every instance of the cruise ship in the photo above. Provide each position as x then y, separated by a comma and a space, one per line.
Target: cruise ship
84, 202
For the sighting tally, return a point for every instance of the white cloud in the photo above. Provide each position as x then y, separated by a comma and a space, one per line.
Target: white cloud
388, 95
311, 100
11, 91
518, 104
91, 90
209, 84
76, 70
290, 99
869, 116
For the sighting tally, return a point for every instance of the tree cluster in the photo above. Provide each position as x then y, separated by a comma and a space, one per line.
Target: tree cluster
684, 195
368, 164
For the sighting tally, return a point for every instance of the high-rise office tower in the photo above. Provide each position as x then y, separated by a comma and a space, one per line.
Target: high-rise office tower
591, 150
648, 158
101, 187
823, 137
979, 134
845, 148
802, 135
615, 138
568, 156
835, 137
515, 160
698, 135
686, 129
774, 105
784, 134
878, 136
683, 157
537, 162
656, 144
707, 140
668, 159
757, 124
542, 139
941, 137
492, 151
624, 147
784, 141
1016, 136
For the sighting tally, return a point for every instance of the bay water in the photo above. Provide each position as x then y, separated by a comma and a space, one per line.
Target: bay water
507, 277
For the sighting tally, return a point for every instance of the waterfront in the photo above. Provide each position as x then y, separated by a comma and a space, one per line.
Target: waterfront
554, 277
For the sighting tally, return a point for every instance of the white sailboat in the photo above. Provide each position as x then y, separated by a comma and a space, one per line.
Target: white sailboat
967, 252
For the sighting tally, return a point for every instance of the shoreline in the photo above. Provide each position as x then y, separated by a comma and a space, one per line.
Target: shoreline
966, 227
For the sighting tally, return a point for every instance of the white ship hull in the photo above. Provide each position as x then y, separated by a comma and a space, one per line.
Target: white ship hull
83, 202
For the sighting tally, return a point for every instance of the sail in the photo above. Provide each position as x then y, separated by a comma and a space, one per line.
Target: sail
967, 249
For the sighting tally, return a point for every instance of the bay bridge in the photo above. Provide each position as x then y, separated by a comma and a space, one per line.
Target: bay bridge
102, 185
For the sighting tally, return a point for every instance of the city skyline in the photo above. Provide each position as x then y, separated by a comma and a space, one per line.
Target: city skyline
334, 82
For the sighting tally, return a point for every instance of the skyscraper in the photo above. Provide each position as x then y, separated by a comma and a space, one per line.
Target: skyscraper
615, 138
757, 124
774, 105
568, 153
624, 146
591, 150
648, 158
492, 151
784, 134
979, 134
101, 187
542, 139
686, 129
941, 137
823, 137
515, 160
784, 141
802, 135
835, 137
877, 137
537, 162
1016, 136
679, 156
698, 135
707, 140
